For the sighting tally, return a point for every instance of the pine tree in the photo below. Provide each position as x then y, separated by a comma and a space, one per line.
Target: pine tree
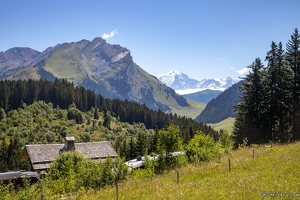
125, 149
283, 96
4, 95
2, 113
293, 60
3, 156
132, 148
142, 144
272, 84
276, 95
107, 120
249, 120
96, 114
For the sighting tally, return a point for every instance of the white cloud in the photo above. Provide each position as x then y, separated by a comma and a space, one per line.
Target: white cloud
110, 35
243, 71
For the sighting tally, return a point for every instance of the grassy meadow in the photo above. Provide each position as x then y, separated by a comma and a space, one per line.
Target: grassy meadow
273, 171
191, 111
226, 124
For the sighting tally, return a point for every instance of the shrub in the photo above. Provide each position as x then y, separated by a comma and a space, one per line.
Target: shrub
202, 148
169, 140
72, 172
226, 141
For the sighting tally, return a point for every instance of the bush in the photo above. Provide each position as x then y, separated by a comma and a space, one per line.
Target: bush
72, 172
66, 168
202, 148
226, 141
169, 140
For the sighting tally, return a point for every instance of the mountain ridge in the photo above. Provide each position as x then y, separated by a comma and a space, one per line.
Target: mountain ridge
97, 65
182, 84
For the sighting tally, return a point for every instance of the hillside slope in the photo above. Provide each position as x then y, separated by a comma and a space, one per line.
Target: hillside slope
226, 124
221, 107
203, 96
272, 171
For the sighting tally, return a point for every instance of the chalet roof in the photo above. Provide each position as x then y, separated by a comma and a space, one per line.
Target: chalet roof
41, 155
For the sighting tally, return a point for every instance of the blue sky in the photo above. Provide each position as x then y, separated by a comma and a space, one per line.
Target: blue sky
203, 39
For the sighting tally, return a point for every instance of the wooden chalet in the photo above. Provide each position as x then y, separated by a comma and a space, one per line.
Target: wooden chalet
39, 156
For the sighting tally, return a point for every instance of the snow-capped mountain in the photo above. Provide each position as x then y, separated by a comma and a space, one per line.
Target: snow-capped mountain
177, 80
182, 84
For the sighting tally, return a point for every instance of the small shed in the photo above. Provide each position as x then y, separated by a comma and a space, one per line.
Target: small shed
39, 156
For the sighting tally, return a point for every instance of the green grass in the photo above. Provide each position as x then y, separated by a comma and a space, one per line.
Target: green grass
226, 124
191, 111
273, 170
27, 73
65, 63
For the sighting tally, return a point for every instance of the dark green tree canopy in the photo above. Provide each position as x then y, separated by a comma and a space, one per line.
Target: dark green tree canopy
269, 110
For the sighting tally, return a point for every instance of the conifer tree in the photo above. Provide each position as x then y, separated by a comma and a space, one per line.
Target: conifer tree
3, 156
125, 149
96, 114
249, 120
272, 92
293, 61
277, 95
132, 148
142, 144
283, 96
2, 113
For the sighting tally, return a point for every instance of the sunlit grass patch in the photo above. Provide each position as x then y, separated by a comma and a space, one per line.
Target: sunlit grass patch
272, 171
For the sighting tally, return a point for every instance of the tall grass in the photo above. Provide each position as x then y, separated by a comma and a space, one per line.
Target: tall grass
273, 171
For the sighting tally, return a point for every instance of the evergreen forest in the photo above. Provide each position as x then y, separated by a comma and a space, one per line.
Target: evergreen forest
269, 106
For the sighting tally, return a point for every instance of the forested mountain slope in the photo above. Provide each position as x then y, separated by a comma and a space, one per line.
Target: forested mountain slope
221, 107
13, 94
63, 109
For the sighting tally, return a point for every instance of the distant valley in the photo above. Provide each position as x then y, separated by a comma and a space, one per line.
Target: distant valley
221, 107
219, 95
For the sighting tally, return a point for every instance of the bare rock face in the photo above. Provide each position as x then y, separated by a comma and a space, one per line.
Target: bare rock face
97, 65
16, 59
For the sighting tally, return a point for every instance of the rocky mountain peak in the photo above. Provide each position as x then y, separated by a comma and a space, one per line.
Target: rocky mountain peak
96, 65
185, 85
17, 57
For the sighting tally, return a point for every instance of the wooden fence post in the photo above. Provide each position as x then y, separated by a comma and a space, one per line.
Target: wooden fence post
177, 177
229, 166
117, 190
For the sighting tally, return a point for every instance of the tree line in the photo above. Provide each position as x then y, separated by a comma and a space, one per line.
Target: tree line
67, 110
269, 108
61, 93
